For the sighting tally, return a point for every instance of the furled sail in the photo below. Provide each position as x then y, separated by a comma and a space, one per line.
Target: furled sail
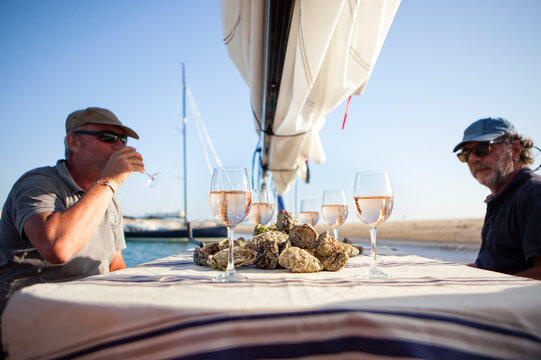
301, 59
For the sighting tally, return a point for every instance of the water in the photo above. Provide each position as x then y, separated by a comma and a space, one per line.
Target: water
139, 252
144, 251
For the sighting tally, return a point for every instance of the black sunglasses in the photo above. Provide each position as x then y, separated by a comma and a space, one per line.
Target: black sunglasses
480, 150
107, 136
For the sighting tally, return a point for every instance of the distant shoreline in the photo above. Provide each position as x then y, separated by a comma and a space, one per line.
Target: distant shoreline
452, 231
443, 231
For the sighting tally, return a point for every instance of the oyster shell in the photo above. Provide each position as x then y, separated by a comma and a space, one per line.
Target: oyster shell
267, 247
276, 236
298, 260
212, 248
200, 257
358, 247
335, 262
327, 246
285, 221
242, 256
303, 236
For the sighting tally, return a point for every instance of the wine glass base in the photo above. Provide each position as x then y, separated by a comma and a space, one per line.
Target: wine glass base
229, 277
373, 274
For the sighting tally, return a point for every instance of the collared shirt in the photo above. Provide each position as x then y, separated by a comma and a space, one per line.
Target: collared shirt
51, 189
512, 229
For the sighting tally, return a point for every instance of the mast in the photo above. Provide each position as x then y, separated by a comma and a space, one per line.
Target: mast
184, 120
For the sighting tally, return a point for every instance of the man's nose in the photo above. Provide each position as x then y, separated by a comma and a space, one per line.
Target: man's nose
472, 158
117, 144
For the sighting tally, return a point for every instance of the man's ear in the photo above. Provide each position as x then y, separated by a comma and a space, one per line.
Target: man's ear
517, 150
73, 142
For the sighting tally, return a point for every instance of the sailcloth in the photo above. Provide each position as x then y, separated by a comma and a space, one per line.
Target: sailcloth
332, 47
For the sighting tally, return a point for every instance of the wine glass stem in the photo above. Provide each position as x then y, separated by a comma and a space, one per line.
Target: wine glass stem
335, 231
230, 258
374, 266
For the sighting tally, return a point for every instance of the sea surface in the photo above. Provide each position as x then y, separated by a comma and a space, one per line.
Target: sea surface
142, 251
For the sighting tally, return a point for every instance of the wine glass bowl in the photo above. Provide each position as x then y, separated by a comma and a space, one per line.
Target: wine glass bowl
373, 198
230, 201
153, 179
309, 212
334, 209
262, 209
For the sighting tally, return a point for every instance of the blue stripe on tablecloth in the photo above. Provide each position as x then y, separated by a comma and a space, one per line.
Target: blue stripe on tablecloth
171, 279
353, 344
255, 317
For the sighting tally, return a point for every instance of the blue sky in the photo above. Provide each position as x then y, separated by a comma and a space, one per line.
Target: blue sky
444, 64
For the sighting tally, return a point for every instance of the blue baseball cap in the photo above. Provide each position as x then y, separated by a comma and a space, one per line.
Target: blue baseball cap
485, 130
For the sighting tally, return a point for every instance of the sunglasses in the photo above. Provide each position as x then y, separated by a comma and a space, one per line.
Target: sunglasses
107, 136
480, 150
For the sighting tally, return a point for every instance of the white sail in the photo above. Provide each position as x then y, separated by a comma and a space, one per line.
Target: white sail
331, 51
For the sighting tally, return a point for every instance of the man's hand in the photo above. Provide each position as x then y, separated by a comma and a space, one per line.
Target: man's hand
121, 164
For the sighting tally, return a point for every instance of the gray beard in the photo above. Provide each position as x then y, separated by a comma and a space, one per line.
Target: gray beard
499, 175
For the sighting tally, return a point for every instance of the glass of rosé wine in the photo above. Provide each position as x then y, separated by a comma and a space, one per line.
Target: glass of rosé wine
262, 209
334, 209
230, 201
373, 198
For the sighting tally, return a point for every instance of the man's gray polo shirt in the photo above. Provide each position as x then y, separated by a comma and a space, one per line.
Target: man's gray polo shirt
42, 190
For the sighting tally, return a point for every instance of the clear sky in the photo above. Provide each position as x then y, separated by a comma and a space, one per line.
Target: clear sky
444, 64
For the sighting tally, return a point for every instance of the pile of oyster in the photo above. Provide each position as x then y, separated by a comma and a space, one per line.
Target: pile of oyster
283, 245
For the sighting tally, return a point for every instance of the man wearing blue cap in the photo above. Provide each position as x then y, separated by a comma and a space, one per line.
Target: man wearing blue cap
498, 157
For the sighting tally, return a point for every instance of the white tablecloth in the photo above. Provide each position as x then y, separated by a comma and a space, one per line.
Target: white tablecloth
171, 308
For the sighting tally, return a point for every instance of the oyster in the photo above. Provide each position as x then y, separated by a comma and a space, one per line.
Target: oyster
267, 246
200, 257
303, 236
335, 262
242, 256
267, 253
327, 246
276, 236
298, 260
285, 221
358, 247
212, 248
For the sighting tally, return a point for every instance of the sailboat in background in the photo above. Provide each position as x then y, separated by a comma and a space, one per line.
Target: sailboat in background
187, 229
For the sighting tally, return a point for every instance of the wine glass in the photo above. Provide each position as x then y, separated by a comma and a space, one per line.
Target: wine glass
153, 179
373, 197
230, 200
309, 212
334, 209
262, 206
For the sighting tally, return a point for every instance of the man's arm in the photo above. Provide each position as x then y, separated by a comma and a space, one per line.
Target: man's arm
57, 236
118, 262
533, 272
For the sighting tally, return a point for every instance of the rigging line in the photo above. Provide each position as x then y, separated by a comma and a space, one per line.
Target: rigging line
198, 117
202, 141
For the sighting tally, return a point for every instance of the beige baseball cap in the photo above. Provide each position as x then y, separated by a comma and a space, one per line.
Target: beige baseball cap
95, 115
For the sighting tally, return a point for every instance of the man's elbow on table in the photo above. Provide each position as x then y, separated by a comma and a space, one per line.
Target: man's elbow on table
49, 240
534, 272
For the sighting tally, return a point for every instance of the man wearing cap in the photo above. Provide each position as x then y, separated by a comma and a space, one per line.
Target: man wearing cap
64, 222
498, 157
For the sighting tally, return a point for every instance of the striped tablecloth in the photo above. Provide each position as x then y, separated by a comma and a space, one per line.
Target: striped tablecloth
171, 308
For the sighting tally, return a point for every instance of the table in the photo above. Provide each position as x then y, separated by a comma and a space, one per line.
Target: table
171, 308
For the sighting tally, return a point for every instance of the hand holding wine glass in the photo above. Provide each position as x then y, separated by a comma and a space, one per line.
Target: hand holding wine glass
309, 212
373, 196
262, 206
230, 201
334, 209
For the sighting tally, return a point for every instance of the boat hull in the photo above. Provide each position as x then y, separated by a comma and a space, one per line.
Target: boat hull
205, 232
